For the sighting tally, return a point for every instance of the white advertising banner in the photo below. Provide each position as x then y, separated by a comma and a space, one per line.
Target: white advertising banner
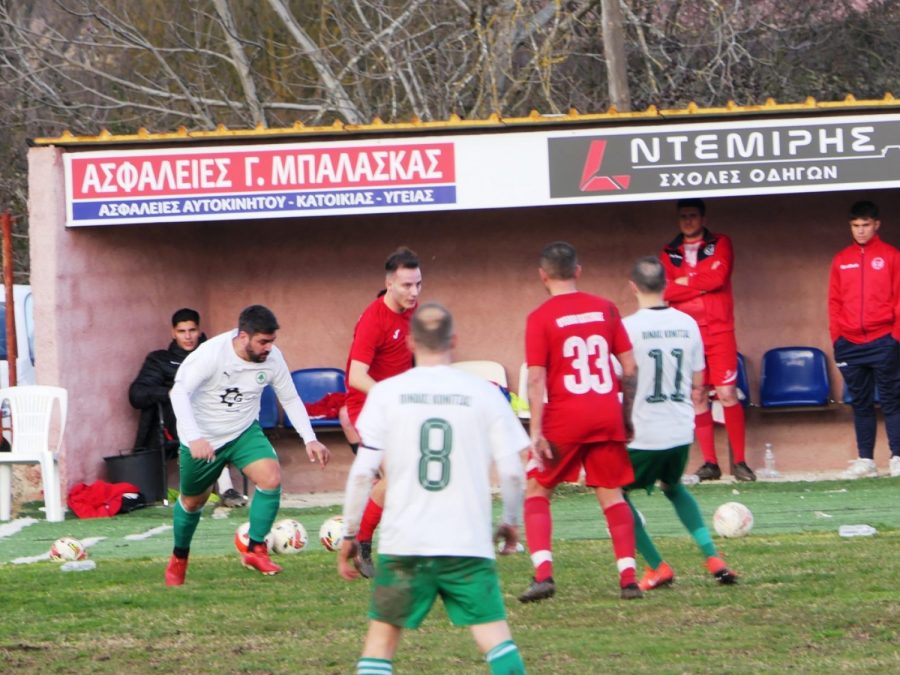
482, 170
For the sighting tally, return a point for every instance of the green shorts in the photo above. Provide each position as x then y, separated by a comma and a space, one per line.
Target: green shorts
657, 465
405, 588
197, 475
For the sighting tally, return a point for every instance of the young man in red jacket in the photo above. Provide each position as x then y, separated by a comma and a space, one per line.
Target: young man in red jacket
864, 319
698, 282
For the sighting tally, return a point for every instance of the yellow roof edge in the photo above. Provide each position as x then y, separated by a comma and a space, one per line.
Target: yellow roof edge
454, 122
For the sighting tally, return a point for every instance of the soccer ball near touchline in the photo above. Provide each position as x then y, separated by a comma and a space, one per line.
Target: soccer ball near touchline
67, 548
242, 538
331, 534
732, 519
288, 536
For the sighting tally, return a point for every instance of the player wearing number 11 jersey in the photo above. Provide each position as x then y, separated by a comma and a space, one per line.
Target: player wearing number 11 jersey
669, 353
569, 344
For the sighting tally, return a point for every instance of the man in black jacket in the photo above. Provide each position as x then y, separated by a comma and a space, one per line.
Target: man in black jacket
149, 393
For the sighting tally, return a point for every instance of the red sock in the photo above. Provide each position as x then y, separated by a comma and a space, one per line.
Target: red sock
734, 425
620, 521
706, 436
371, 518
538, 534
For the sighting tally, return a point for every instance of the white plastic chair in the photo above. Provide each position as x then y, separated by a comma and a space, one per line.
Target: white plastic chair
31, 412
489, 370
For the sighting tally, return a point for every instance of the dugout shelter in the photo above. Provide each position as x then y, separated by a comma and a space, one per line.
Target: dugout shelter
125, 228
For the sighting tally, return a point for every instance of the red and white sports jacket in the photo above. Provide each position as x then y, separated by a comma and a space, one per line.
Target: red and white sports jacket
864, 292
707, 297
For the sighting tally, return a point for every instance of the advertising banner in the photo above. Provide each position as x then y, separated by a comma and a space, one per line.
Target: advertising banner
486, 170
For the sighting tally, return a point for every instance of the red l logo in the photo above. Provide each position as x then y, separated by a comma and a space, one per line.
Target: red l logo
591, 181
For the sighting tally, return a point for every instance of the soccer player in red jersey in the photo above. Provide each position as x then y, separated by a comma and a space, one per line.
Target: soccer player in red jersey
698, 282
569, 343
379, 351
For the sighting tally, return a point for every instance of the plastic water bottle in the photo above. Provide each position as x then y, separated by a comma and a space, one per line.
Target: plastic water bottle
78, 566
769, 461
690, 479
856, 530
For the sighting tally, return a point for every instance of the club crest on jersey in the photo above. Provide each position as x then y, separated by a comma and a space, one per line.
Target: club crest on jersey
709, 249
878, 263
261, 377
231, 396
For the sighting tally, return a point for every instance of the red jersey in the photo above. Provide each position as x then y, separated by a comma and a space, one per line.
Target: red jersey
379, 340
707, 297
864, 292
574, 336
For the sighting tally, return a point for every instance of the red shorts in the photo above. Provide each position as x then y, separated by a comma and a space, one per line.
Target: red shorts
721, 359
605, 463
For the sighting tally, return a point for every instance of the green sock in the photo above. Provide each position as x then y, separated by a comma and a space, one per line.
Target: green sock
642, 540
505, 659
184, 523
689, 514
369, 666
263, 510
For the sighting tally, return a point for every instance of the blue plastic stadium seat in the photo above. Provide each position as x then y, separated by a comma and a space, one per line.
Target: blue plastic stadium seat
268, 409
794, 377
313, 384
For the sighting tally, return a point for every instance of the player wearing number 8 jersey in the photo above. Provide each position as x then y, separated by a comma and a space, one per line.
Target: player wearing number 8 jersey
436, 430
569, 342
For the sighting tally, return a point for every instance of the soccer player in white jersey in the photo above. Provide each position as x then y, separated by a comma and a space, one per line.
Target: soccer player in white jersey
436, 430
216, 399
669, 353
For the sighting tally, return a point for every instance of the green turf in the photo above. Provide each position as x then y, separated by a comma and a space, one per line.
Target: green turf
808, 600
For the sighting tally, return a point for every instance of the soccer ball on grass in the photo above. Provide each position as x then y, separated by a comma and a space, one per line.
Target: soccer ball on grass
67, 548
732, 519
288, 536
331, 534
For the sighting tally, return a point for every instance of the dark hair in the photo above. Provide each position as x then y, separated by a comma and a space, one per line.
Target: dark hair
864, 209
185, 314
692, 203
559, 260
432, 327
257, 319
404, 258
648, 274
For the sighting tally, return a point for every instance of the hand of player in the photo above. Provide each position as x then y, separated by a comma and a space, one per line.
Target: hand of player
317, 452
629, 431
509, 535
345, 557
542, 448
201, 449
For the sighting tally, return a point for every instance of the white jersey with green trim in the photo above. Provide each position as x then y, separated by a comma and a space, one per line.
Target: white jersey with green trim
439, 429
668, 350
216, 394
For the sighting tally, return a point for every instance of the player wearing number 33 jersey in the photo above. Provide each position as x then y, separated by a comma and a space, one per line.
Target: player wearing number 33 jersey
569, 344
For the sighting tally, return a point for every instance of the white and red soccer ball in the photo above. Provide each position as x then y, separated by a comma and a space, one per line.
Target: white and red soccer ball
67, 548
331, 534
732, 520
288, 536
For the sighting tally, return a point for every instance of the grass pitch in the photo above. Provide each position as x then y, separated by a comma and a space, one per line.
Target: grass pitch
807, 601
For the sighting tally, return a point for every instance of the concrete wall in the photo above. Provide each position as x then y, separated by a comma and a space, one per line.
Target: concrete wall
104, 296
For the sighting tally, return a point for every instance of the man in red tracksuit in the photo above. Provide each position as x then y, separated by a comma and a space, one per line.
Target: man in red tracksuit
864, 320
698, 282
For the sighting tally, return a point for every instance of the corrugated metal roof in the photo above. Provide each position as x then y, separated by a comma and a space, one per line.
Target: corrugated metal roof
455, 123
